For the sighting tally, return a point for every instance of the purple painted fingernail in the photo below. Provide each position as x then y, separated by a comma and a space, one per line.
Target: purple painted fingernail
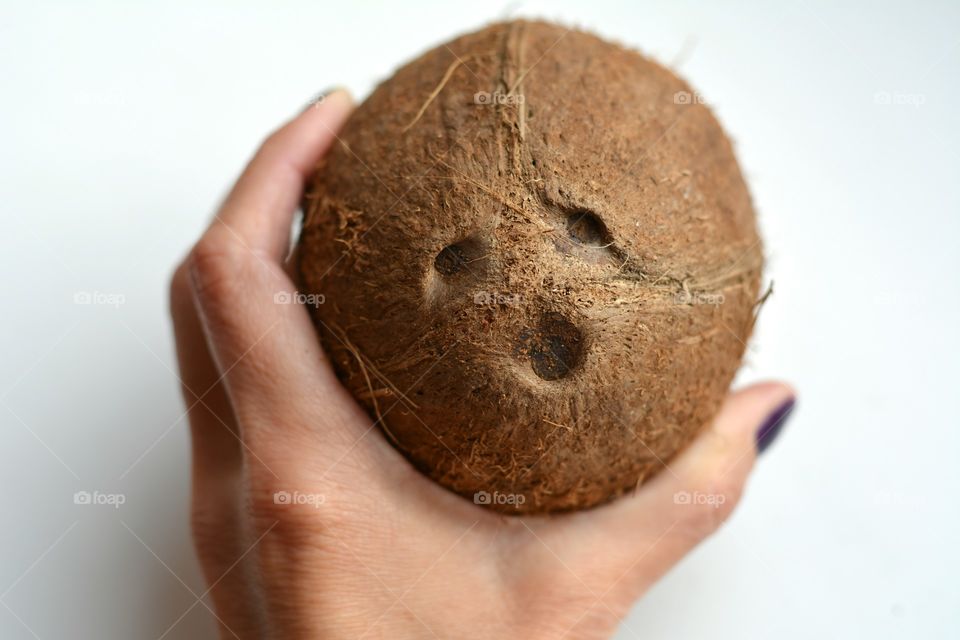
773, 425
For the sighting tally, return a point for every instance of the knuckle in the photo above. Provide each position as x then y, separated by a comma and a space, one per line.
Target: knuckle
291, 512
719, 443
214, 269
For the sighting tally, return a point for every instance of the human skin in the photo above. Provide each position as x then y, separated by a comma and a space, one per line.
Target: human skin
308, 524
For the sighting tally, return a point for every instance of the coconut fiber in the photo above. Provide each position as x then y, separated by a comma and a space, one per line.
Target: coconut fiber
539, 262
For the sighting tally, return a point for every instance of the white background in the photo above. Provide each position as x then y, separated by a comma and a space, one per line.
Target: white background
122, 126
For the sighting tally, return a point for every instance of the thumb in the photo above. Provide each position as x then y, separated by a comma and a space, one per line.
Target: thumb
647, 533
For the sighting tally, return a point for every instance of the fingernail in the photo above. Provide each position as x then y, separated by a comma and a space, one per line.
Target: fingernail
773, 425
318, 99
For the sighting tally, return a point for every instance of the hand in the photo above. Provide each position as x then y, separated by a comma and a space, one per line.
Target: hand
309, 524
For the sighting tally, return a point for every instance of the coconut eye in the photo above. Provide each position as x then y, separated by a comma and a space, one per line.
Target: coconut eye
585, 228
451, 259
466, 254
556, 347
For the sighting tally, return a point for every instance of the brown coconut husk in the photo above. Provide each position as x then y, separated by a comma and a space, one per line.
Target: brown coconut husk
544, 297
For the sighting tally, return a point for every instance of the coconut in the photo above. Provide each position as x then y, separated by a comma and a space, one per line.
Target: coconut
539, 262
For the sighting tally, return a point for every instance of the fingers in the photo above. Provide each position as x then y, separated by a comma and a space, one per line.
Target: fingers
259, 210
688, 501
216, 448
261, 339
220, 531
237, 263
217, 464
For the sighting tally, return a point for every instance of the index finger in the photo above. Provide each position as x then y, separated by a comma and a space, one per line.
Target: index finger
259, 210
264, 344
